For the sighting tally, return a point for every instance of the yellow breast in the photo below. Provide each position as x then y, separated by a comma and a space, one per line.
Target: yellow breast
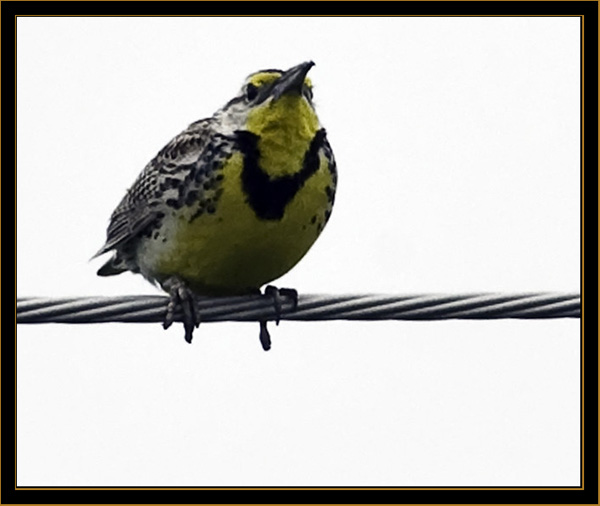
232, 251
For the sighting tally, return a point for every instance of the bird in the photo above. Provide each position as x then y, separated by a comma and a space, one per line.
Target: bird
231, 203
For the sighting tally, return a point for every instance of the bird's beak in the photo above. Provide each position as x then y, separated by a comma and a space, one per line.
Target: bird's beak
291, 80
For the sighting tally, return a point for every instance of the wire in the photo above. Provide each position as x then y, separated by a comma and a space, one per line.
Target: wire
144, 309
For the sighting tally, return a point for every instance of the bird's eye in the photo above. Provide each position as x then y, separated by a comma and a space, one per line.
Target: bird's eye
251, 91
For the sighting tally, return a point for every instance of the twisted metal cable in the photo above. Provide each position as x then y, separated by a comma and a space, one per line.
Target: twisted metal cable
148, 308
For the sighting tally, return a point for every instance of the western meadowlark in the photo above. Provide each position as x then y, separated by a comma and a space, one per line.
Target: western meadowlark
231, 203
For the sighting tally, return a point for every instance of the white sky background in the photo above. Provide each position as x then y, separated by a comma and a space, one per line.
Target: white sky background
457, 142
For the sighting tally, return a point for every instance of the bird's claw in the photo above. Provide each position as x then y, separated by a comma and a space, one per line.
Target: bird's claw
277, 295
180, 296
265, 337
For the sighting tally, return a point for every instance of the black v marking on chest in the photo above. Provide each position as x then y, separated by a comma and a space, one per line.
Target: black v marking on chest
268, 197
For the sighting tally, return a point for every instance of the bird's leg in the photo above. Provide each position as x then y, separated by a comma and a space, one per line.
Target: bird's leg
276, 294
181, 297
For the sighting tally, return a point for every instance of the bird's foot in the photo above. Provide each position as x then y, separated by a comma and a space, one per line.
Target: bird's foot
277, 295
181, 297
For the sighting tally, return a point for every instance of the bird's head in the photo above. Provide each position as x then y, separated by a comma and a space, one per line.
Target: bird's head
273, 100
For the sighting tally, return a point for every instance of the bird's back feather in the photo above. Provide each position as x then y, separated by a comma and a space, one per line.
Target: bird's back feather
140, 208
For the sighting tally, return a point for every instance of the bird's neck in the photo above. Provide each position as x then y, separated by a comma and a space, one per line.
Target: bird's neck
284, 130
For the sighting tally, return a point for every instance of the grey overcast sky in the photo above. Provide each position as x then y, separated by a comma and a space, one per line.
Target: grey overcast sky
457, 143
